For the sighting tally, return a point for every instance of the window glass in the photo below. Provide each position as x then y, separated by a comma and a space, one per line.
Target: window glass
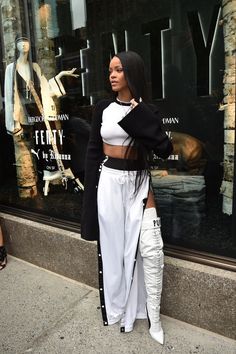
46, 108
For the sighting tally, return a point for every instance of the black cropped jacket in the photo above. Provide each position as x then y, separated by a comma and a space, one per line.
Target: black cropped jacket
144, 125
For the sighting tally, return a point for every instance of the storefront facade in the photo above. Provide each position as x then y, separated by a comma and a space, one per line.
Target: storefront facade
188, 50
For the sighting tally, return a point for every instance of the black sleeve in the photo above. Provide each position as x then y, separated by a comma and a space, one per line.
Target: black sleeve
94, 156
144, 124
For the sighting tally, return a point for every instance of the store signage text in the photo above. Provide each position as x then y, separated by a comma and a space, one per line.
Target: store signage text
203, 42
43, 137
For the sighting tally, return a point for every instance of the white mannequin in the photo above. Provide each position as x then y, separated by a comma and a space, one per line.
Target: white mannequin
23, 66
17, 120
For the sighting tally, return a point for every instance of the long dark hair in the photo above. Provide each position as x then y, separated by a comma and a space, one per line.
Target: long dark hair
134, 72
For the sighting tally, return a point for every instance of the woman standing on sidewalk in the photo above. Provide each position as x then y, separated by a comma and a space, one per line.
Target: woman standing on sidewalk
119, 208
3, 253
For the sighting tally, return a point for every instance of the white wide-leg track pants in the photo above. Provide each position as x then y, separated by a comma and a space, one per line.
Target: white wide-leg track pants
120, 213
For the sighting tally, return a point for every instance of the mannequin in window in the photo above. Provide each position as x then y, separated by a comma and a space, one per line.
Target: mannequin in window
20, 105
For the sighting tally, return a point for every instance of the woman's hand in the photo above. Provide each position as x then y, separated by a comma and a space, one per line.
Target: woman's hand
67, 73
133, 103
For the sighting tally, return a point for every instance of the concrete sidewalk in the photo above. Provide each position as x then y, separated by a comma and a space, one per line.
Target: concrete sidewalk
41, 312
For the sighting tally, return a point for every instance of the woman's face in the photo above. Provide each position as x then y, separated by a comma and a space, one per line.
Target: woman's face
23, 46
117, 78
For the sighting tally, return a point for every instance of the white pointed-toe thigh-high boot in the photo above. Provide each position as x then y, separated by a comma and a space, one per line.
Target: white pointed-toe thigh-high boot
151, 246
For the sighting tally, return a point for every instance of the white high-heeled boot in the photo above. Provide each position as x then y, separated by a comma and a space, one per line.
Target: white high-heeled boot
151, 246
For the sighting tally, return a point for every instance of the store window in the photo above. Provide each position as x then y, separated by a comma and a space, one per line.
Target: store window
185, 46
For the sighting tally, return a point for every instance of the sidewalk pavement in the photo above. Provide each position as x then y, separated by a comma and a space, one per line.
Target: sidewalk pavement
44, 313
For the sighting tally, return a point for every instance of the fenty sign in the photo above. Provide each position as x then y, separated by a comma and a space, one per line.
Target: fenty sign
200, 32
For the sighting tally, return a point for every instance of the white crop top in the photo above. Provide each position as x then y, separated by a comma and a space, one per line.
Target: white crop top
111, 131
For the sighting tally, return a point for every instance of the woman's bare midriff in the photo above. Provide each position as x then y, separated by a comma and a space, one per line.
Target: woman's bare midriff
128, 152
119, 152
